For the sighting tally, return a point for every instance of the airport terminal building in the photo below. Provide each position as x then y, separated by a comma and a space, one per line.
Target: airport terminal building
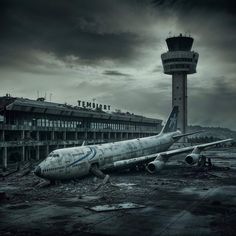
33, 128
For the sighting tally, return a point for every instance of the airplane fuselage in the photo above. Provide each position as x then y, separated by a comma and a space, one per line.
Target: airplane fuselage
75, 162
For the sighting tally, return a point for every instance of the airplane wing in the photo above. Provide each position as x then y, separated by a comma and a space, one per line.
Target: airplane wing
162, 156
191, 148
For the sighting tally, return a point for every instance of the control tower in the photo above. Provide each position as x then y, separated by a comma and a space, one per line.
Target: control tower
178, 62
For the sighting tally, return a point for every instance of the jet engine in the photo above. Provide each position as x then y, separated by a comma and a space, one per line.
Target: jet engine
192, 158
155, 166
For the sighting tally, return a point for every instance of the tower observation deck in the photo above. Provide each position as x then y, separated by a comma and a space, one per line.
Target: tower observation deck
178, 62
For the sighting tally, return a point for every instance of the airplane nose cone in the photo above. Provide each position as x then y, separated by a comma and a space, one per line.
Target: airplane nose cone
38, 171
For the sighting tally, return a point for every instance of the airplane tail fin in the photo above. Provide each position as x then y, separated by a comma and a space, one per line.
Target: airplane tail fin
171, 123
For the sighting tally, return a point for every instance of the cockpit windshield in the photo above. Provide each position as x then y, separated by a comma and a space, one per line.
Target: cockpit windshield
52, 155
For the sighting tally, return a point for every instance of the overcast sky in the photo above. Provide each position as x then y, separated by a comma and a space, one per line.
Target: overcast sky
110, 50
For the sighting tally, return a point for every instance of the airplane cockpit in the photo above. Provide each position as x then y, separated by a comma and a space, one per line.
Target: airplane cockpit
53, 155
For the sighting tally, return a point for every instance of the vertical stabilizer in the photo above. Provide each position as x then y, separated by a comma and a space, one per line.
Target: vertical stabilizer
171, 123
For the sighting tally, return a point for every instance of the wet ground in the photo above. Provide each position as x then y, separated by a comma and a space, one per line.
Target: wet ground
181, 200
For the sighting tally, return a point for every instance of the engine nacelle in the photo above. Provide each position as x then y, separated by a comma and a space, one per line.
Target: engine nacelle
192, 158
155, 166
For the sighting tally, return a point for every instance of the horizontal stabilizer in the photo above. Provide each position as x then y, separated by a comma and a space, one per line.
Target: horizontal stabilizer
187, 134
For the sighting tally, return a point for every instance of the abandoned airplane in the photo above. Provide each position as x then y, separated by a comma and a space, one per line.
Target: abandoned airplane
68, 163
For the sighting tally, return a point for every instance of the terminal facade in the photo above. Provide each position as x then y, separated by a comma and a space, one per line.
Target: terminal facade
31, 129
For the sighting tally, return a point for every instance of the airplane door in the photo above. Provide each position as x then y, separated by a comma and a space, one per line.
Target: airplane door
101, 160
67, 163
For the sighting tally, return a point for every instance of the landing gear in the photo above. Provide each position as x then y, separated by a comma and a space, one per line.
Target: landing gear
98, 173
209, 164
137, 168
204, 161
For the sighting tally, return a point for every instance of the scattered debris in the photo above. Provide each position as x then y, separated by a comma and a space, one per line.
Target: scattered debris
116, 207
25, 172
35, 183
124, 185
8, 173
105, 180
213, 175
88, 198
43, 184
97, 172
27, 165
68, 203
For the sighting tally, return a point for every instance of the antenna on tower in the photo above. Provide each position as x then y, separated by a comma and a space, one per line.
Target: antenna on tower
188, 33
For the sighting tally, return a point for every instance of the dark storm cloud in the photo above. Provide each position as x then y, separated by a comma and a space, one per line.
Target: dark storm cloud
213, 22
209, 5
115, 73
84, 29
94, 30
55, 44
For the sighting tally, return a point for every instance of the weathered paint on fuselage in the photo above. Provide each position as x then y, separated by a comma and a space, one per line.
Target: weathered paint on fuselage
75, 162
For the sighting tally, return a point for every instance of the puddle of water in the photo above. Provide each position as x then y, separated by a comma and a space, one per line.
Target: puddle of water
8, 187
193, 190
124, 184
113, 207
